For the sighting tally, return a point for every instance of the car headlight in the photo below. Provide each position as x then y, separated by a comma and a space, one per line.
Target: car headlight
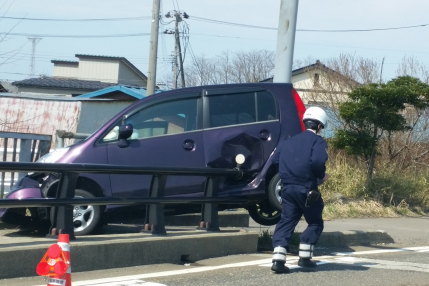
53, 156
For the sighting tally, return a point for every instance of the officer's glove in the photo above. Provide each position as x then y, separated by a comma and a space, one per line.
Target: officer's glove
312, 197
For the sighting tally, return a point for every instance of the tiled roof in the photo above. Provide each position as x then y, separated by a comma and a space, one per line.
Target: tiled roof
62, 83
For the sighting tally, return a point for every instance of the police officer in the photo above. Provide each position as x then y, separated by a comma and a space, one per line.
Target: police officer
301, 160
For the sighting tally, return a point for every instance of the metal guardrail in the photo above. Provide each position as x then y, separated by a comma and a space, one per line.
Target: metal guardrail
20, 147
63, 203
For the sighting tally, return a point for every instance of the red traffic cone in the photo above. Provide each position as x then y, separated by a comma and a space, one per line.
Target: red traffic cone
55, 264
64, 243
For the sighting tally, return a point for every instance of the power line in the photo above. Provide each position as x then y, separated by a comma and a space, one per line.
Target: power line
213, 21
76, 36
307, 30
76, 19
363, 30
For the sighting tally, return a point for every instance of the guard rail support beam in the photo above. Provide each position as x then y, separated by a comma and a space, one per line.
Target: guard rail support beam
63, 215
156, 218
209, 214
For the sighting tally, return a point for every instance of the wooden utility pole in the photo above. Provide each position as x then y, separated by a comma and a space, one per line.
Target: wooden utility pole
153, 53
285, 40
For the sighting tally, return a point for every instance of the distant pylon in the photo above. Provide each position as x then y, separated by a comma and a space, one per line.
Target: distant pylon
34, 42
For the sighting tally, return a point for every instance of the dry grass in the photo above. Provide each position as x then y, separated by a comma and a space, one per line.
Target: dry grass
393, 192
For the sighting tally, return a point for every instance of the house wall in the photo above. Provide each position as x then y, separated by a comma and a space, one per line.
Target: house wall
318, 87
128, 77
65, 70
101, 70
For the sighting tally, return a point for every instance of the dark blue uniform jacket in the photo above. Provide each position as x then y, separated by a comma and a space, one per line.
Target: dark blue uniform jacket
302, 159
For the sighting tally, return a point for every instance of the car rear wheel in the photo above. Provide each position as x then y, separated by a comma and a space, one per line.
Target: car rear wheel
274, 192
264, 213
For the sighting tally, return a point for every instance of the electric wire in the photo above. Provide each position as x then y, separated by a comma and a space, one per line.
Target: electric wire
307, 30
76, 19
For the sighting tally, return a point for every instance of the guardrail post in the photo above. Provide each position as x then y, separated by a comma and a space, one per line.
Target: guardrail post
155, 213
209, 214
63, 215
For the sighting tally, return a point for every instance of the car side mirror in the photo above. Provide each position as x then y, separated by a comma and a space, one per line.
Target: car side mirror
125, 132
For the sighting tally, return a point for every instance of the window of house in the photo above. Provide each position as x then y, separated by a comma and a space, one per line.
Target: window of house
316, 79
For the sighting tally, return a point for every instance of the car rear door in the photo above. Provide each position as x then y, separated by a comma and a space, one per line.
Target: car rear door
242, 121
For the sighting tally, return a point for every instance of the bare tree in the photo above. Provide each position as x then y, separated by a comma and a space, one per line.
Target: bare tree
240, 67
412, 67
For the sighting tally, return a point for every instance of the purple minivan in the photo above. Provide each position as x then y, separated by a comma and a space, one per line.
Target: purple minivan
197, 127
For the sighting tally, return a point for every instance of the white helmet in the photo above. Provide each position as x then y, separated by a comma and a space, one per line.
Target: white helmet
316, 113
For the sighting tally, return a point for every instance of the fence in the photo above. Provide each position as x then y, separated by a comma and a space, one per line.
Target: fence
63, 222
20, 147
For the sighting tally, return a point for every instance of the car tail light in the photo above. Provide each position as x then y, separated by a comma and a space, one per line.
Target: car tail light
300, 107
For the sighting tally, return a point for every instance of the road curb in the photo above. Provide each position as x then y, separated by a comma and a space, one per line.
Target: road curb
124, 250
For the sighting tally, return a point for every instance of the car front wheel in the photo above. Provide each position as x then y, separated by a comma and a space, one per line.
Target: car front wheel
86, 218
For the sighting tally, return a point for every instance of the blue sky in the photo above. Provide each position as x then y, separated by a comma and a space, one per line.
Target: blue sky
209, 39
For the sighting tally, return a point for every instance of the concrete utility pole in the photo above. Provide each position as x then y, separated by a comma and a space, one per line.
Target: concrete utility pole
285, 41
153, 53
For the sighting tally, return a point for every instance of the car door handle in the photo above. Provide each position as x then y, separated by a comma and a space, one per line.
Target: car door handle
265, 135
189, 145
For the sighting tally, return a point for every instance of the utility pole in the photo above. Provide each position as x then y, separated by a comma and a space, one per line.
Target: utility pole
285, 40
178, 61
34, 42
153, 53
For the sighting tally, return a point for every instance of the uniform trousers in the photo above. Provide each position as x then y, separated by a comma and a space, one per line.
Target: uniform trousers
293, 207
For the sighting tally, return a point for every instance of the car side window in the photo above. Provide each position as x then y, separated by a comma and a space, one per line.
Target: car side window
171, 117
241, 108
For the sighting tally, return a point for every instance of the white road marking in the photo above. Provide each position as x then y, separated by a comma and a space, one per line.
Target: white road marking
348, 258
340, 257
127, 283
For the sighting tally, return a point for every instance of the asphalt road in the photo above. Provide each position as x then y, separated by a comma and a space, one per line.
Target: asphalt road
364, 266
405, 261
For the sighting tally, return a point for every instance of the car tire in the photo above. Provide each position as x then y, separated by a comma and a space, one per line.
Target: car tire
86, 218
264, 214
274, 192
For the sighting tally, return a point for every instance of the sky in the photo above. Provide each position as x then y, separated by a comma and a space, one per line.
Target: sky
392, 30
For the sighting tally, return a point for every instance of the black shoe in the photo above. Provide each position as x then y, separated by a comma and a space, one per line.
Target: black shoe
307, 263
279, 267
